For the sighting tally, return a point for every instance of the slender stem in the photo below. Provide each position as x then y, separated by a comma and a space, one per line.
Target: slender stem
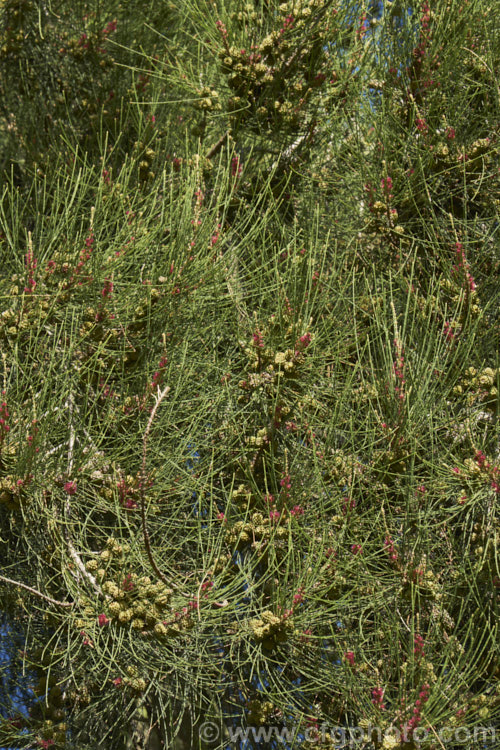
145, 532
36, 593
217, 146
67, 508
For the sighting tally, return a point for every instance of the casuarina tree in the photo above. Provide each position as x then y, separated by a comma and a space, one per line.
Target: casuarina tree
249, 463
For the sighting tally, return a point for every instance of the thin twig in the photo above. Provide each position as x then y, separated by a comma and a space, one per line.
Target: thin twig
145, 532
287, 153
72, 436
67, 508
36, 593
404, 623
234, 284
55, 449
217, 146
198, 595
437, 737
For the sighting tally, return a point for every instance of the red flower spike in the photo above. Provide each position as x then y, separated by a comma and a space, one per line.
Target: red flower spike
349, 656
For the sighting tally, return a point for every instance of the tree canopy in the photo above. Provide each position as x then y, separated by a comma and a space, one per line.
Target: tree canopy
249, 458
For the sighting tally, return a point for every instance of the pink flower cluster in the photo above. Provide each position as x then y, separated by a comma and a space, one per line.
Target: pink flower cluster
462, 266
215, 237
206, 586
31, 263
83, 41
45, 743
304, 638
391, 549
349, 656
362, 26
193, 604
378, 698
448, 330
302, 343
107, 290
348, 504
418, 646
386, 185
124, 494
236, 168
222, 29
110, 27
423, 697
422, 126
258, 340
158, 375
398, 369
86, 640
287, 24
420, 50
127, 583
84, 256
107, 391
4, 417
286, 482
480, 458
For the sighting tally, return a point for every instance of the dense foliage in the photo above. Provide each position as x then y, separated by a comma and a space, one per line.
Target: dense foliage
249, 458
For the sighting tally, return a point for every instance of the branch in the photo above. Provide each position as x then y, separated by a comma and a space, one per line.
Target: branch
145, 532
284, 157
217, 146
36, 593
67, 509
234, 284
217, 605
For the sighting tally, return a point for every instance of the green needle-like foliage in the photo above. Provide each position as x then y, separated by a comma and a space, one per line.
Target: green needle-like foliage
249, 458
